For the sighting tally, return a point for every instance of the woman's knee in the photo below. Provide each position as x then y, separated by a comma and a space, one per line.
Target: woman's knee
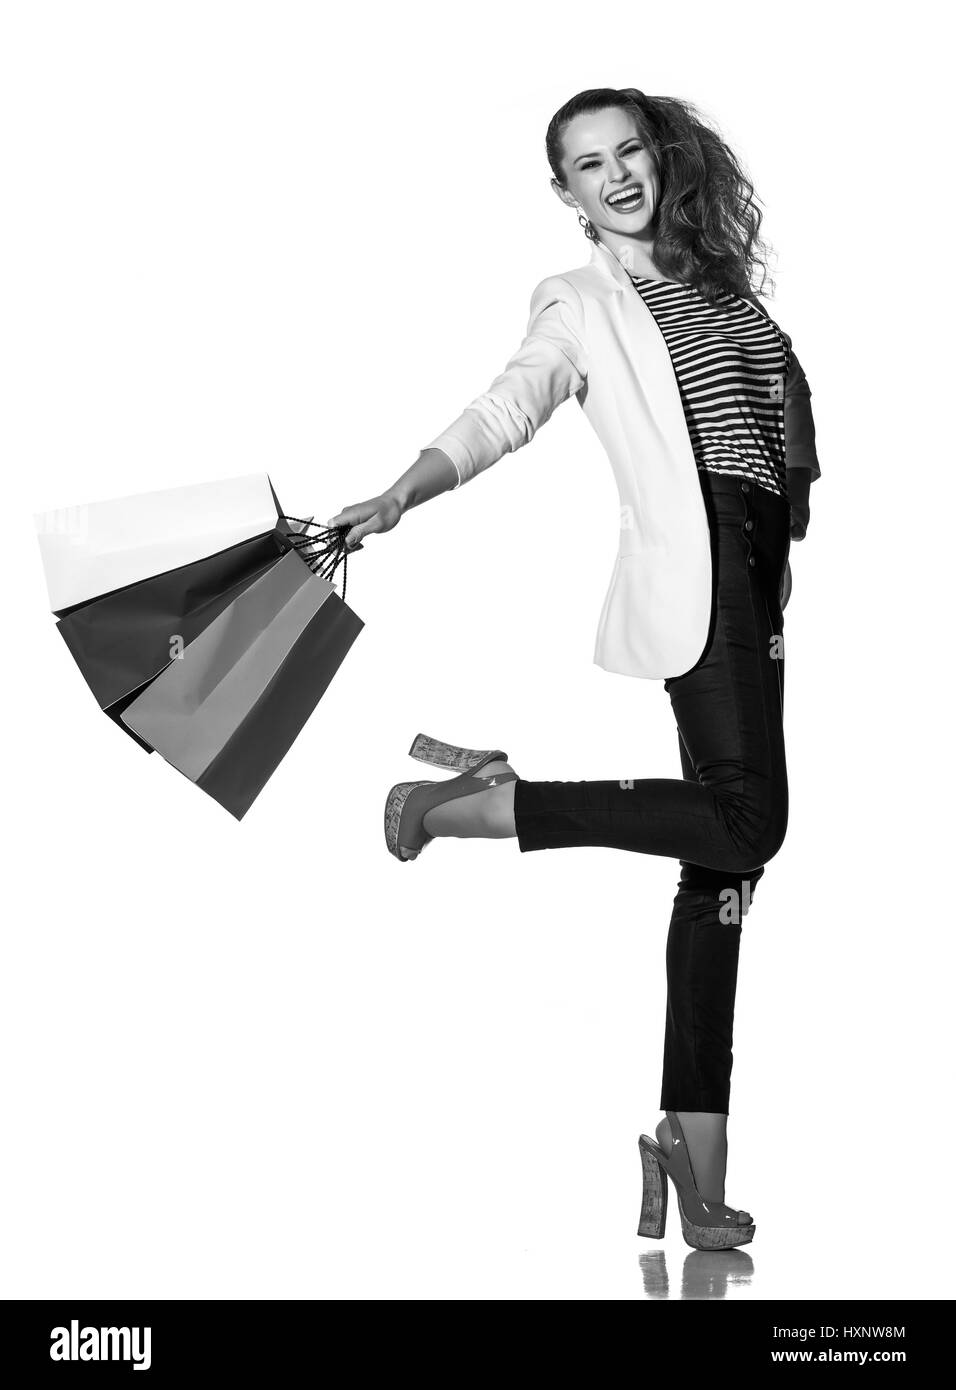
755, 837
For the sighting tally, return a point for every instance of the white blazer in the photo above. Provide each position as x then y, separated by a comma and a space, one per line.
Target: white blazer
591, 335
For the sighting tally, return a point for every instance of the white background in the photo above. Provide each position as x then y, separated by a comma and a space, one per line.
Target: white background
265, 1059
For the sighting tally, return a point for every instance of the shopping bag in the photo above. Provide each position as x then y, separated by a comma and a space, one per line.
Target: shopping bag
121, 640
124, 639
97, 548
226, 711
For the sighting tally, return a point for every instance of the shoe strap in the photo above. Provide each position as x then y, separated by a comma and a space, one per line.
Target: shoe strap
464, 785
432, 794
679, 1154
498, 779
679, 1159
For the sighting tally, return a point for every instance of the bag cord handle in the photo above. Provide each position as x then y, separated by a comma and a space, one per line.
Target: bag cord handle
332, 550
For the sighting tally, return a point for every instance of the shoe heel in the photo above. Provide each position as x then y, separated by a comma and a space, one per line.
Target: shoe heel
438, 754
654, 1201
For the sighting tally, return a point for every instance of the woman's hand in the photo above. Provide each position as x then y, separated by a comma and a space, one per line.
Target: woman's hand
368, 518
798, 486
432, 473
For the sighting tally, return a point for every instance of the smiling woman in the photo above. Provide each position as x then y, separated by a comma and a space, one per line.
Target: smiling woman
621, 178
700, 223
703, 411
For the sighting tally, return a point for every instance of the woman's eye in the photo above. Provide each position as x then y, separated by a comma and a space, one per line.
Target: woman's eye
631, 149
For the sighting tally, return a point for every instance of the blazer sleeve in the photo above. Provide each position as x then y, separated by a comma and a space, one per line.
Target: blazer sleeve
799, 428
547, 369
800, 439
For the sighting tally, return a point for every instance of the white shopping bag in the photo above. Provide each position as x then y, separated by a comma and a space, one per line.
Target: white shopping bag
101, 546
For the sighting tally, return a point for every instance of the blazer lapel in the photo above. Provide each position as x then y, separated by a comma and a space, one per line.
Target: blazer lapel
651, 364
604, 257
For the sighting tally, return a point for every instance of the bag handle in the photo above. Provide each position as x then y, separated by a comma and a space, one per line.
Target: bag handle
332, 550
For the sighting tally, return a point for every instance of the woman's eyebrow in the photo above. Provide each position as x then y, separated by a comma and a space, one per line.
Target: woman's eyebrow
596, 153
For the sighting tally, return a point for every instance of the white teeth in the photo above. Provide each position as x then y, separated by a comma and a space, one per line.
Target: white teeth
625, 195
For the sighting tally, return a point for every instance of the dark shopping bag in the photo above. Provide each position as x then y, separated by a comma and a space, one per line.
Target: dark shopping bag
124, 640
228, 710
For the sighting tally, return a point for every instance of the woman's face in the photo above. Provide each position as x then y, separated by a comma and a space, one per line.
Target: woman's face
609, 171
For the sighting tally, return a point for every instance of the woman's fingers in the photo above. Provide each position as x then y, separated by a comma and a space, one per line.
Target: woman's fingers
360, 511
367, 518
357, 533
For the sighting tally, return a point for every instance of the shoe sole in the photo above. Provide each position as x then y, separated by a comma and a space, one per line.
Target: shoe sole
394, 806
653, 1220
714, 1237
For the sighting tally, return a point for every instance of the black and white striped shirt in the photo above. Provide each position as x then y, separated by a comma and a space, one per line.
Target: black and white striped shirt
731, 364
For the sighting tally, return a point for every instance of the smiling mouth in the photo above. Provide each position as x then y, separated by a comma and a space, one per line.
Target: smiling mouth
630, 203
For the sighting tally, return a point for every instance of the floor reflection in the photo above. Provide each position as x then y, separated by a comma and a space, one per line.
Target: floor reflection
654, 1270
705, 1273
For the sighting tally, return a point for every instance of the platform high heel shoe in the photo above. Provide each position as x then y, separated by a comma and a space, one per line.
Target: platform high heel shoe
408, 802
706, 1225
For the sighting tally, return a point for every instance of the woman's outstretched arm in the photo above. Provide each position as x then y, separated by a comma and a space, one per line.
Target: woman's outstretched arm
548, 368
432, 473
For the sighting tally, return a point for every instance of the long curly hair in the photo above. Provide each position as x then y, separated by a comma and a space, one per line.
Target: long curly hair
708, 220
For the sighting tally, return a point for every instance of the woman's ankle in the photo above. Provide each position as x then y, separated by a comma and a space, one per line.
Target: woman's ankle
705, 1134
487, 814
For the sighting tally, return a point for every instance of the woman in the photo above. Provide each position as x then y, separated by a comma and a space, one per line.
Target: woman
704, 411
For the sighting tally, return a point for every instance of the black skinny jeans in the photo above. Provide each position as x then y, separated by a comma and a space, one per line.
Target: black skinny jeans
729, 814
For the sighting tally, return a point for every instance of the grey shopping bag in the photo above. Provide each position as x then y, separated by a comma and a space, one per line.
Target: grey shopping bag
226, 711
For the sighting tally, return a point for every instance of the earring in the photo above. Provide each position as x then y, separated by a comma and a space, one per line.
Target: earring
586, 224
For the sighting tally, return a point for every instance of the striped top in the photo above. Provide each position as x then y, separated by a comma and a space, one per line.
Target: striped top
731, 363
